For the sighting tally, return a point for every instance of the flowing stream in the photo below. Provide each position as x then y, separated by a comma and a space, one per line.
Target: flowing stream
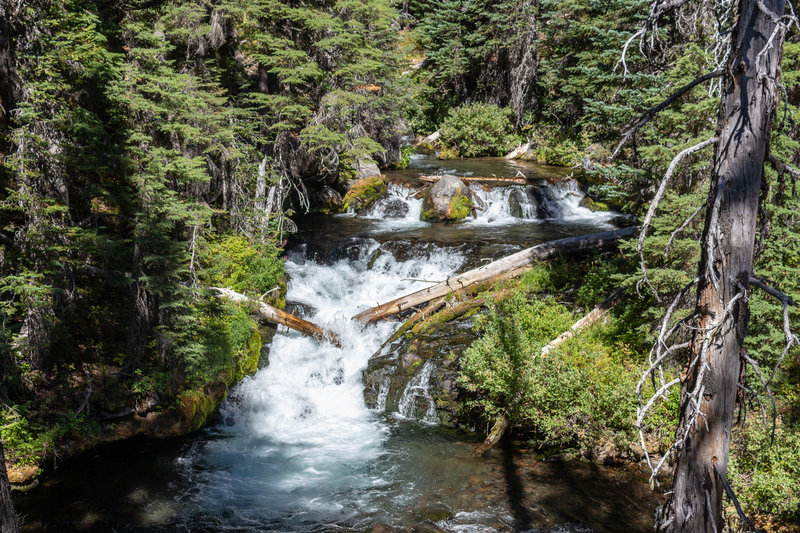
296, 448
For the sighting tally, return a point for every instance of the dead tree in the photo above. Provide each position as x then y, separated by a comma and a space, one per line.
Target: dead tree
717, 357
8, 517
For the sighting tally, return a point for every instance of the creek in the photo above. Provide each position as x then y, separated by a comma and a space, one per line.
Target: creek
295, 447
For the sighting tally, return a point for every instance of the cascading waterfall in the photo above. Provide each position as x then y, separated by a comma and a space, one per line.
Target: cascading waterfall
417, 397
298, 433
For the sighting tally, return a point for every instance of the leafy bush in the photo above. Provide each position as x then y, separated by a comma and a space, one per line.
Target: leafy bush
234, 262
574, 395
475, 130
764, 475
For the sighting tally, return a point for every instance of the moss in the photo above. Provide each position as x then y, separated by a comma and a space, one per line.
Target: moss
247, 363
364, 192
459, 207
594, 205
197, 406
448, 153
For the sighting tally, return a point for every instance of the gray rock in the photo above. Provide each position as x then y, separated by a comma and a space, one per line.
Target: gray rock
366, 167
329, 199
448, 199
395, 208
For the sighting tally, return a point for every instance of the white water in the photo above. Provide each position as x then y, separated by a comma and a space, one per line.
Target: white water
398, 211
298, 433
417, 396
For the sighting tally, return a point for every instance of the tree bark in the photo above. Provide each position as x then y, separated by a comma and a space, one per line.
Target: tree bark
505, 268
710, 381
8, 517
278, 316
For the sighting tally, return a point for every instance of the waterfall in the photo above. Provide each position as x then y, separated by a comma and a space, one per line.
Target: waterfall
417, 397
298, 432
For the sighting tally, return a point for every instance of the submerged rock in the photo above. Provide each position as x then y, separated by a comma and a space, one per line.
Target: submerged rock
448, 199
516, 199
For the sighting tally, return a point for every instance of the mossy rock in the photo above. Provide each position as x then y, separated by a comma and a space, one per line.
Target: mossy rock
364, 192
594, 205
448, 199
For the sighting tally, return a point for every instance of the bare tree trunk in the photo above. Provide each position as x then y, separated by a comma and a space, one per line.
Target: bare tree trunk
8, 517
710, 382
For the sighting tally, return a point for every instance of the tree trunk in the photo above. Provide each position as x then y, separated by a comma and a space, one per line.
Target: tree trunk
505, 268
278, 316
710, 382
8, 518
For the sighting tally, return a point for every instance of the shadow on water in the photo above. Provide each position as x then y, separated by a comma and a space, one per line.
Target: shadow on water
514, 487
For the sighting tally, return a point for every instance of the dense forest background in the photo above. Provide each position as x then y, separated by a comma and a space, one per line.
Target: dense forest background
154, 148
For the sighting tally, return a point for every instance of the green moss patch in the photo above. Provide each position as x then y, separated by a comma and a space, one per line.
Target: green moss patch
364, 192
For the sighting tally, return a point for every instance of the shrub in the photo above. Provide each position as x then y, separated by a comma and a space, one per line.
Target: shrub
577, 394
766, 475
475, 130
234, 262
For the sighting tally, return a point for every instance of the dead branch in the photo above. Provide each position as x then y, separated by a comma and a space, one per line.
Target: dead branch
786, 300
782, 167
278, 316
590, 318
681, 228
648, 115
498, 429
505, 268
657, 199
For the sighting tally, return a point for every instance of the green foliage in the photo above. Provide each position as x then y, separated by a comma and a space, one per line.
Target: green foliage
575, 395
234, 262
474, 130
765, 474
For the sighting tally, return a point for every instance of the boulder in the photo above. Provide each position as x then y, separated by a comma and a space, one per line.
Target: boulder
395, 208
328, 199
366, 167
448, 199
516, 199
364, 192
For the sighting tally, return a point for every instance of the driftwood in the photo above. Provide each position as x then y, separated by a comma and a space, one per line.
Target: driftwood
498, 429
278, 316
590, 318
505, 268
494, 180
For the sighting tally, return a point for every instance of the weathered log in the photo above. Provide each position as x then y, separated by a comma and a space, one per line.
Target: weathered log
505, 268
278, 316
494, 180
498, 429
590, 318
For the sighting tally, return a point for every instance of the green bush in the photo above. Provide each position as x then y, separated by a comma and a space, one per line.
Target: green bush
475, 130
575, 395
234, 262
764, 475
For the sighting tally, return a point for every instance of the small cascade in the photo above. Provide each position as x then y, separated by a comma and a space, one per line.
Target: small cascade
417, 398
396, 208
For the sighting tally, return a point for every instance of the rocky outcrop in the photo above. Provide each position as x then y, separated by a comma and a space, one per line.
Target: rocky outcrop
448, 199
366, 167
414, 377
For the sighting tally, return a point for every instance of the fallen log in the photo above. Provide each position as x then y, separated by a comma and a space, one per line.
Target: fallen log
498, 429
505, 268
278, 316
494, 180
590, 318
